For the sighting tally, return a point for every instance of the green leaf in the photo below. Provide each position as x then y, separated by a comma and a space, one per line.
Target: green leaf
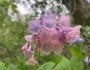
1, 63
75, 64
14, 6
63, 65
77, 53
55, 59
2, 66
14, 10
46, 66
6, 4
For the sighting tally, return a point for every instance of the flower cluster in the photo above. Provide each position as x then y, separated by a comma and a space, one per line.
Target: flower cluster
49, 35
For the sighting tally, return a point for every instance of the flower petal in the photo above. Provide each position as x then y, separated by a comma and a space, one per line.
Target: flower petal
25, 47
77, 27
79, 40
34, 26
30, 38
58, 47
28, 52
49, 22
44, 35
73, 34
32, 61
55, 36
64, 21
46, 48
51, 15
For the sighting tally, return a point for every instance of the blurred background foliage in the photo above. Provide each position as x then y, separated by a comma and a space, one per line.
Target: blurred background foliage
13, 28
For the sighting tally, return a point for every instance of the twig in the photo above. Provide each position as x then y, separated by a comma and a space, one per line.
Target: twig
74, 8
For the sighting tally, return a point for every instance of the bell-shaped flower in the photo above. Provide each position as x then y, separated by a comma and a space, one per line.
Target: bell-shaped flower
30, 38
73, 34
32, 61
46, 48
49, 22
58, 47
44, 35
64, 21
55, 36
25, 47
34, 26
28, 52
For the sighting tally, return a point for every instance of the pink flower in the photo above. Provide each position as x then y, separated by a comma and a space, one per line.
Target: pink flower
28, 52
30, 38
73, 34
44, 35
32, 61
64, 21
25, 47
54, 36
58, 47
63, 31
46, 48
47, 36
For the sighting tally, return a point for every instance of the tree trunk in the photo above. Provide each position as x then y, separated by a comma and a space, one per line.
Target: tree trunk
80, 10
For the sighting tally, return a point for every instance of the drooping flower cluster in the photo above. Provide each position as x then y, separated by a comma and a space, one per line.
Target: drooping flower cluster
49, 35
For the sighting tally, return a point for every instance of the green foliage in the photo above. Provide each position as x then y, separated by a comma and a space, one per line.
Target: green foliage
46, 66
77, 53
2, 66
74, 64
63, 65
6, 4
85, 31
56, 59
13, 7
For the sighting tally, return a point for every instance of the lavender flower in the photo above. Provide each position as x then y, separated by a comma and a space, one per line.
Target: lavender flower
86, 60
79, 40
89, 34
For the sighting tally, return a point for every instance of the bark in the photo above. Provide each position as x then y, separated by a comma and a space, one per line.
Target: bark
80, 10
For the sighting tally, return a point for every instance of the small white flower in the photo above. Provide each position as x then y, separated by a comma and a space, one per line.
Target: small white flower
86, 60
